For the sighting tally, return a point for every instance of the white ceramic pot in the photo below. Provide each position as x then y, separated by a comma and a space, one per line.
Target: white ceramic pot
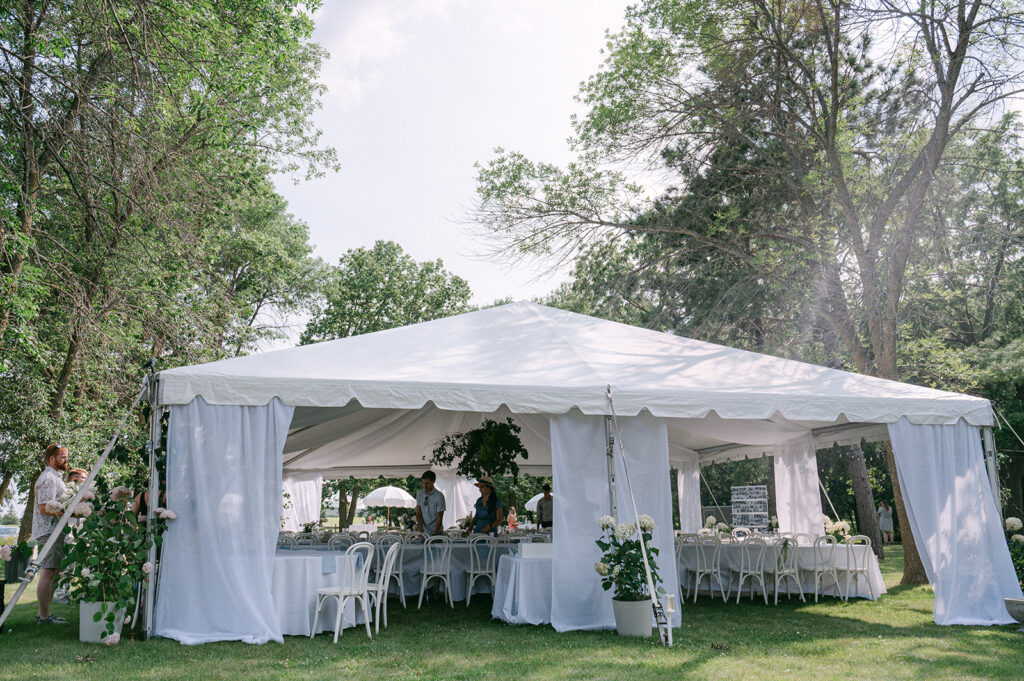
633, 618
91, 631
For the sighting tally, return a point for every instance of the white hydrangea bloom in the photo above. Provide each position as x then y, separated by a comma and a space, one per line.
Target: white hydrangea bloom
5, 552
646, 522
86, 572
601, 568
842, 527
722, 527
54, 507
112, 640
120, 493
83, 510
624, 531
1013, 524
606, 522
168, 514
616, 571
147, 567
712, 521
1019, 538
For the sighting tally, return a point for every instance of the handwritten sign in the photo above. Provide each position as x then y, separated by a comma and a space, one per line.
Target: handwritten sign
750, 507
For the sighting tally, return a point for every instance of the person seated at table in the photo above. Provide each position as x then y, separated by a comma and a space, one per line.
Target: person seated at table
545, 508
429, 505
489, 512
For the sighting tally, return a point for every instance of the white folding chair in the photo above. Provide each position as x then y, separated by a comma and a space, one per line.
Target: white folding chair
378, 589
751, 567
785, 566
709, 551
482, 563
856, 566
355, 577
285, 540
803, 539
437, 564
825, 563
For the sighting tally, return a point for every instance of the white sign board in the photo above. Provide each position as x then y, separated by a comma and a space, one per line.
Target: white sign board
750, 507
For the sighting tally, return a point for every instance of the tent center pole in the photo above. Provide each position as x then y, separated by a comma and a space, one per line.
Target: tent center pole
152, 445
609, 438
993, 466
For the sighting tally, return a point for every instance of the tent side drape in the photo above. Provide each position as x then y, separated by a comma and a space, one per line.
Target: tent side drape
797, 500
224, 482
688, 491
303, 503
459, 496
952, 513
579, 473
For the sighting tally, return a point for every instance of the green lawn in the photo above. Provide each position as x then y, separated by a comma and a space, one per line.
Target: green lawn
893, 638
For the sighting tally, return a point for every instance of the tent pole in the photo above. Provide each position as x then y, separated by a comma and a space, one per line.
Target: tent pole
152, 445
993, 466
609, 438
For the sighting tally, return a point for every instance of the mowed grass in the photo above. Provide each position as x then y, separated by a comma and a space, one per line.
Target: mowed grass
893, 638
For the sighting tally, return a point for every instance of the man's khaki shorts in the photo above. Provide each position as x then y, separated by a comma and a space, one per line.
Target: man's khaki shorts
52, 561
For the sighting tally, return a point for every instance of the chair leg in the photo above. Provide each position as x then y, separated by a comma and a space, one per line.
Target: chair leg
366, 614
375, 604
469, 587
423, 588
337, 620
316, 617
764, 590
448, 592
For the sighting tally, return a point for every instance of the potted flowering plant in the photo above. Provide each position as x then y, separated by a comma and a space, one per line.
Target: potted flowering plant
839, 529
622, 567
106, 561
1015, 540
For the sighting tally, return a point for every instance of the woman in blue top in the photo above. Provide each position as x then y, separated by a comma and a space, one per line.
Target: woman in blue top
488, 508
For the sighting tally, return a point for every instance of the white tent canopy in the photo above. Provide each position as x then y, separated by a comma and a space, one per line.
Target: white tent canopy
377, 405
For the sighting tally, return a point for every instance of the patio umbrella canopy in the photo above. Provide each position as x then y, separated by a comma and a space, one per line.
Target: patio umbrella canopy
531, 505
391, 497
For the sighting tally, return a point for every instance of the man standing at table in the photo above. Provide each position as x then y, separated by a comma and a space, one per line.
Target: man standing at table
545, 508
429, 506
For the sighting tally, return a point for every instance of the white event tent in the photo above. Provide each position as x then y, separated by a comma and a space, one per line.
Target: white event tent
377, 404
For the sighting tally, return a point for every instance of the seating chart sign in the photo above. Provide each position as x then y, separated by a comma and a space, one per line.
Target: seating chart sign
750, 507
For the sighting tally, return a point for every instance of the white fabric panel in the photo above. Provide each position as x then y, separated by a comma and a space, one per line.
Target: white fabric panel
797, 501
305, 496
688, 489
522, 591
459, 496
224, 482
955, 522
537, 359
579, 472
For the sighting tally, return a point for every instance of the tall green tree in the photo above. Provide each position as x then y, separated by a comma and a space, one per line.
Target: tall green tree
372, 289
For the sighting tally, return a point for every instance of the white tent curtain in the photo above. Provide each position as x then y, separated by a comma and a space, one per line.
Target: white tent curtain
953, 516
579, 469
303, 503
688, 492
797, 500
224, 482
459, 496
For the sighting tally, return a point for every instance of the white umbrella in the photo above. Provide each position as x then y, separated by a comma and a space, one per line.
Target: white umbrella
391, 497
531, 505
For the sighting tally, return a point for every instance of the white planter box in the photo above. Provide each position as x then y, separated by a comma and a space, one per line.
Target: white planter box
91, 631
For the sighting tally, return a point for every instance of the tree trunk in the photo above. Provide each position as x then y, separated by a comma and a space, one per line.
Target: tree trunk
913, 569
4, 485
26, 519
342, 508
1013, 471
352, 506
867, 520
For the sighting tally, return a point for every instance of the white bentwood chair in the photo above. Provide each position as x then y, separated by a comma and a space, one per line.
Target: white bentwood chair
740, 533
856, 566
483, 556
340, 541
825, 563
751, 567
384, 542
681, 541
437, 564
786, 567
378, 589
285, 539
709, 551
355, 577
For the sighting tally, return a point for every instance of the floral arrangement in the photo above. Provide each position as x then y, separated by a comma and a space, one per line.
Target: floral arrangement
1016, 544
108, 556
466, 524
712, 524
621, 565
839, 529
773, 523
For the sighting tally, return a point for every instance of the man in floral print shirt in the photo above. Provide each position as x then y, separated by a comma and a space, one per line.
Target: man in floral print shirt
49, 490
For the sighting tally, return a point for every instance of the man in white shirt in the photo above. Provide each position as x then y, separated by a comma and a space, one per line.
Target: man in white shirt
429, 506
49, 488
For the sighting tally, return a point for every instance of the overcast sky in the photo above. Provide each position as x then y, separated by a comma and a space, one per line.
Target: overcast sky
418, 91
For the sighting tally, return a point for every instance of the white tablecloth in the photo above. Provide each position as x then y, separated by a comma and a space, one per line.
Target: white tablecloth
412, 564
298, 573
522, 592
731, 555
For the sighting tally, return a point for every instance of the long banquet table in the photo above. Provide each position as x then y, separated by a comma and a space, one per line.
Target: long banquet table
298, 573
522, 591
730, 556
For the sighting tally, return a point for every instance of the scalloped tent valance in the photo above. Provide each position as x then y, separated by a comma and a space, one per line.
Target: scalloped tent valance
539, 360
